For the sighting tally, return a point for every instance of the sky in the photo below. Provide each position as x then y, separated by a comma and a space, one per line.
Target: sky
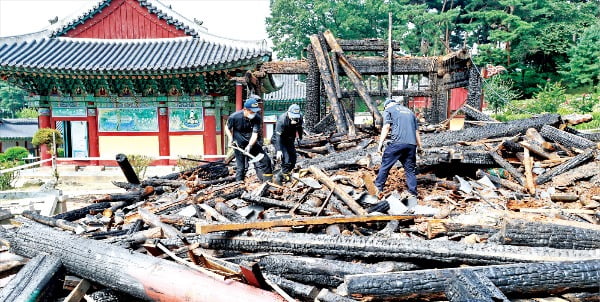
236, 19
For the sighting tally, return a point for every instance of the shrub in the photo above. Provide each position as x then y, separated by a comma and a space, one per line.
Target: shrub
584, 103
139, 163
184, 164
15, 154
27, 113
498, 92
548, 99
7, 179
45, 136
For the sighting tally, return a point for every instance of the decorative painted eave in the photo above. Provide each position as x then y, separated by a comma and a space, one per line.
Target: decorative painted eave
126, 57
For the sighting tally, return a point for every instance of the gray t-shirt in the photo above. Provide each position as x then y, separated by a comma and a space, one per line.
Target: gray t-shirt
403, 124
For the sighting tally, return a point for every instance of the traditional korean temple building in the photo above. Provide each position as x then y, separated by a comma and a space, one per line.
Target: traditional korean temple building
133, 77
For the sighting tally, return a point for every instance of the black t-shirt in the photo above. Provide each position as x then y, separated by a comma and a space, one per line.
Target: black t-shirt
242, 127
285, 132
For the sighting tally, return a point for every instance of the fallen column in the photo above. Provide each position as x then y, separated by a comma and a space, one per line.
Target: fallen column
31, 283
488, 131
82, 212
476, 115
384, 248
136, 274
521, 278
534, 233
294, 288
566, 166
565, 138
324, 272
468, 285
585, 171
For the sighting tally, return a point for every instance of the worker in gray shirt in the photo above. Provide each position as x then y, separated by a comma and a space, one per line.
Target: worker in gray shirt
404, 128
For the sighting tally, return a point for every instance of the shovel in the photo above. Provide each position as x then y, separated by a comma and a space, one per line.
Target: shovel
253, 159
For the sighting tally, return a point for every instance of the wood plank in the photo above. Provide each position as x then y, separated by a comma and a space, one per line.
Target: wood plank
345, 197
264, 224
528, 163
79, 291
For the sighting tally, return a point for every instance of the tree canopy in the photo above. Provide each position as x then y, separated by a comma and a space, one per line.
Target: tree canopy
531, 38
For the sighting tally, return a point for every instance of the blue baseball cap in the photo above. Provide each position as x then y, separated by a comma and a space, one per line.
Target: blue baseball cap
387, 102
252, 104
294, 111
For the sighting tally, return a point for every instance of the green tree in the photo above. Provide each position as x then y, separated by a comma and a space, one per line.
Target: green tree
12, 99
583, 67
27, 113
48, 137
498, 92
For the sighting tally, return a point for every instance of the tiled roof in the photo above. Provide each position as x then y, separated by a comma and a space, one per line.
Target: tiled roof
154, 6
291, 88
11, 129
130, 56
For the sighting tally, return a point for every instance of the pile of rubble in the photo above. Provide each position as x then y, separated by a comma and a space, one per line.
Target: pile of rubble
505, 210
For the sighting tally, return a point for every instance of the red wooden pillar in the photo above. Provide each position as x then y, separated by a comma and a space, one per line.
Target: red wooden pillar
239, 102
210, 132
93, 141
44, 122
164, 148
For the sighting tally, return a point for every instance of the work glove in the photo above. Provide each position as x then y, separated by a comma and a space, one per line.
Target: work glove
298, 139
279, 155
247, 149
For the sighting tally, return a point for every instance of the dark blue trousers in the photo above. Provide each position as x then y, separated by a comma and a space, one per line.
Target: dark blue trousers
289, 158
407, 155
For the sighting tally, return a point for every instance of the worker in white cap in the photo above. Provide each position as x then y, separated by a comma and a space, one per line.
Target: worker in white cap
287, 129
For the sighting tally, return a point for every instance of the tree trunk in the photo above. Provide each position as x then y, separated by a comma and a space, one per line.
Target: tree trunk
136, 274
32, 281
517, 279
488, 131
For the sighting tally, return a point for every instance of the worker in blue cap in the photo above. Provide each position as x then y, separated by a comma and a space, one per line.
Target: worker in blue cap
244, 128
405, 139
287, 129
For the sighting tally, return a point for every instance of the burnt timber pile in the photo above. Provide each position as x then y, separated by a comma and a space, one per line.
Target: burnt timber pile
509, 211
506, 212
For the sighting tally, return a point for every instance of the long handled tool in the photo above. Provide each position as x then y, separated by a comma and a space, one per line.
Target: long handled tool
253, 158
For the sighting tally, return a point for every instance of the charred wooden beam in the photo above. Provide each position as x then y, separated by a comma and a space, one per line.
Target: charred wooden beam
354, 77
468, 285
82, 212
127, 169
139, 275
279, 203
327, 296
286, 67
228, 212
488, 131
565, 138
508, 167
585, 171
438, 228
566, 166
336, 160
341, 194
324, 272
475, 93
595, 137
511, 279
32, 281
384, 93
367, 45
295, 289
326, 77
476, 115
387, 248
535, 233
313, 90
500, 181
59, 223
